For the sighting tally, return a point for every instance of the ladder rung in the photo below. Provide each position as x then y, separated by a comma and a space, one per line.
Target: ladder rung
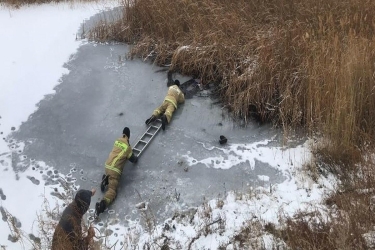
141, 143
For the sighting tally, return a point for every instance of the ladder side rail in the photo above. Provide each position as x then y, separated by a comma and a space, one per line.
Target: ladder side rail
145, 146
144, 143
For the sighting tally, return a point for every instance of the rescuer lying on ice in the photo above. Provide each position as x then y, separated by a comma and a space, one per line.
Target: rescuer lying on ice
114, 165
174, 96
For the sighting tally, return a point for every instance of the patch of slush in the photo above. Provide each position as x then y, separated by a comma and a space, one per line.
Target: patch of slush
26, 186
31, 189
217, 222
281, 158
222, 218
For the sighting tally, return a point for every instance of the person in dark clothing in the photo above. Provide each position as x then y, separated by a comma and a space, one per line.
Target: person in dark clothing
68, 233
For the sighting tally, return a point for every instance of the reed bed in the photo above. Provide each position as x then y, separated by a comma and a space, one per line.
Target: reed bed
295, 63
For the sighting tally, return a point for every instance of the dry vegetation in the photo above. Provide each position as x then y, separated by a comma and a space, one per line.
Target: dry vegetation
18, 3
298, 64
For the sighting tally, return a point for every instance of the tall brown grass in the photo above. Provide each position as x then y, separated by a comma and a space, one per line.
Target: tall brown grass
349, 218
296, 63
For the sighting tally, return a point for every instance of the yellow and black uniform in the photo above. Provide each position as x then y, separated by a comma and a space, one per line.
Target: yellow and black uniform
169, 105
114, 165
121, 152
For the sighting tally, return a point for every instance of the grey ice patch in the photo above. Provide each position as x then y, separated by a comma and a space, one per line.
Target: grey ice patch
33, 180
12, 238
36, 240
82, 178
5, 217
71, 179
51, 182
2, 195
108, 232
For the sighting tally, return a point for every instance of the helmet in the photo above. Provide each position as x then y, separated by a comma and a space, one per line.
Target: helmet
126, 131
176, 82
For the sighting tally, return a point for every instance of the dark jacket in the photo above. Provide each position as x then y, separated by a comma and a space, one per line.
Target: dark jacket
68, 233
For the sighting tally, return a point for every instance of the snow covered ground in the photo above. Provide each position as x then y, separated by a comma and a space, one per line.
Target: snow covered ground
36, 42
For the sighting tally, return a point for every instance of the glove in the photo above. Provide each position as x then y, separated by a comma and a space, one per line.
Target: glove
149, 120
133, 158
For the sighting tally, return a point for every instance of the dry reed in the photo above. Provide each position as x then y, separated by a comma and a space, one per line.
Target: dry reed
296, 63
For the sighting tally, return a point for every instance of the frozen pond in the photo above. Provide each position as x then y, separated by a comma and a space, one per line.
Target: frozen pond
73, 131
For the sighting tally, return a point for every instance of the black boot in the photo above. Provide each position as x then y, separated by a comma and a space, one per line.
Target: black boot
151, 119
100, 207
164, 121
104, 182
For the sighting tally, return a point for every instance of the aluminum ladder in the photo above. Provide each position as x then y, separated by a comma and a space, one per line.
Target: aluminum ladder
147, 137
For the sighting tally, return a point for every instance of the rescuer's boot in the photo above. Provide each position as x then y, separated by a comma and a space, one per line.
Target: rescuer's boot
104, 182
100, 207
164, 121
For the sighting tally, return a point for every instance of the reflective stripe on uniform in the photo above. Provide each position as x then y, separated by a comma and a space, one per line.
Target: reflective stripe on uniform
108, 201
113, 169
157, 112
123, 147
171, 101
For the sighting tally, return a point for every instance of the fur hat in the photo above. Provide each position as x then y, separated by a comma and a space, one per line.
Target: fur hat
83, 200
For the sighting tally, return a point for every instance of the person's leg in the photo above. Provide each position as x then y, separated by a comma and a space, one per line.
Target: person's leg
156, 114
166, 118
169, 111
110, 194
160, 110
